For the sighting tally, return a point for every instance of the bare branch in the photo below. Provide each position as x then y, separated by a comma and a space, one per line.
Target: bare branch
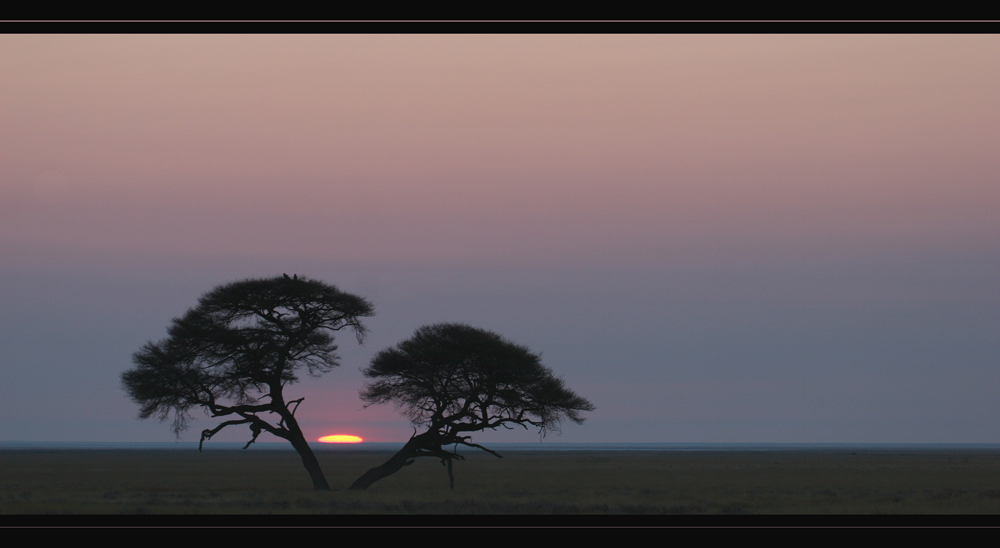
296, 402
477, 446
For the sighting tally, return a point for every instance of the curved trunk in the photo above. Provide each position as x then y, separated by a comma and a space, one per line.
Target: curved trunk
403, 458
428, 444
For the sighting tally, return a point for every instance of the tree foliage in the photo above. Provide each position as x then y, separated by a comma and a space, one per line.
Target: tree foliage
233, 354
453, 379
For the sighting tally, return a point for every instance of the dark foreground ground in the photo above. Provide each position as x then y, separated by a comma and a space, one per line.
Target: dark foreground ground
571, 483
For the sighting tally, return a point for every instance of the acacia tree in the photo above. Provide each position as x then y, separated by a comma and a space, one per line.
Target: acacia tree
455, 379
235, 352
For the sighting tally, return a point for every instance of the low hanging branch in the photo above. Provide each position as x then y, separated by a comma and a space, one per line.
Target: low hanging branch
453, 379
208, 433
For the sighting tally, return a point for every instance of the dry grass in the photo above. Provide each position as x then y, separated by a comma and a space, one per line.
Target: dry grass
524, 482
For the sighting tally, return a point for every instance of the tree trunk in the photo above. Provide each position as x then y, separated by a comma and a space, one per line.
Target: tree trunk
312, 464
391, 466
298, 441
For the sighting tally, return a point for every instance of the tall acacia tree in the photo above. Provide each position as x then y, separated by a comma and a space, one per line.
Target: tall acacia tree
454, 379
235, 352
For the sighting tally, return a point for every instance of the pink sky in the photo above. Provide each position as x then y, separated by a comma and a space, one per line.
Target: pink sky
534, 138
588, 153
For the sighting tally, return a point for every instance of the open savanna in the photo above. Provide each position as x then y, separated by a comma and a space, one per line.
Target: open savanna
523, 482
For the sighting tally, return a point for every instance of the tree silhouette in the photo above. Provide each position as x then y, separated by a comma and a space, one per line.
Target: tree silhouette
235, 352
455, 379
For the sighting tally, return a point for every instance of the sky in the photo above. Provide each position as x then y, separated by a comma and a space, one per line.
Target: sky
713, 238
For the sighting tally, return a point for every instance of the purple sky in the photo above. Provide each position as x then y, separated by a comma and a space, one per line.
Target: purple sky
786, 238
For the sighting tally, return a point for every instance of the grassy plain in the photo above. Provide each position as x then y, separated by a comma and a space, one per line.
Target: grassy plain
774, 482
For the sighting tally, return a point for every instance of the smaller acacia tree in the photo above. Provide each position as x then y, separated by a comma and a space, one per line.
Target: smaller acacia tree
455, 379
235, 352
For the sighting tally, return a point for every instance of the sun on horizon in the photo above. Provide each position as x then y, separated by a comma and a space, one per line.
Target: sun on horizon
341, 438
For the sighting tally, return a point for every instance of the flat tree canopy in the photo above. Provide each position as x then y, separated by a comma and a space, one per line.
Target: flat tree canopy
234, 353
454, 379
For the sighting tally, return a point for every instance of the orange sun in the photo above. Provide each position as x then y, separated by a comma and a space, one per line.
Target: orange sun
341, 438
